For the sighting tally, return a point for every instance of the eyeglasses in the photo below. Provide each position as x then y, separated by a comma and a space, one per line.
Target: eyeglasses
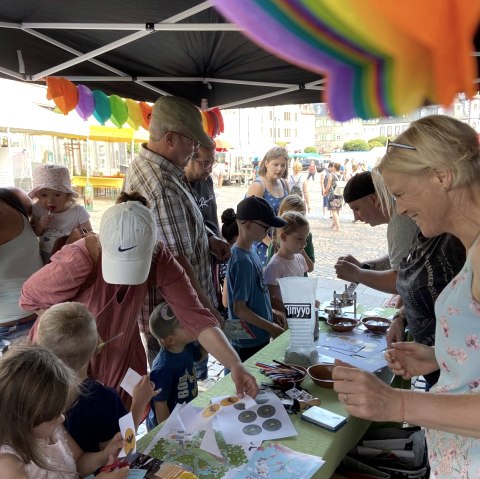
206, 164
400, 145
265, 227
195, 142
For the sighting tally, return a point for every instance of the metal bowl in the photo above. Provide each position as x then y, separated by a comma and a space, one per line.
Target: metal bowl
342, 324
376, 324
332, 311
321, 374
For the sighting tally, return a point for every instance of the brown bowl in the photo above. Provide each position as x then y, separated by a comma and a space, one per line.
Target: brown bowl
321, 374
286, 382
342, 324
376, 324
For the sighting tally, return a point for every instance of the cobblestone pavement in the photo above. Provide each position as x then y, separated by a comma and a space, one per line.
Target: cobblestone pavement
359, 239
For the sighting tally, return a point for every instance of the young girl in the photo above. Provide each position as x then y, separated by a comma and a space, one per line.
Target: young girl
35, 389
54, 213
294, 203
289, 260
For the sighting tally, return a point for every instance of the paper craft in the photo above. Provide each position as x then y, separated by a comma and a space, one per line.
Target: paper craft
237, 329
131, 379
359, 348
127, 428
266, 419
279, 462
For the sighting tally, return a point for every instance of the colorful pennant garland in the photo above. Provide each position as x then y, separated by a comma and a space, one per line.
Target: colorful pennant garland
68, 96
380, 58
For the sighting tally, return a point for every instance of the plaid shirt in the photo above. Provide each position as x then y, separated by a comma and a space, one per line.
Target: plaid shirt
179, 220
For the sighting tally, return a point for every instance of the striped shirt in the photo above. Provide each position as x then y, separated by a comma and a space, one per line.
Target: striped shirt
179, 220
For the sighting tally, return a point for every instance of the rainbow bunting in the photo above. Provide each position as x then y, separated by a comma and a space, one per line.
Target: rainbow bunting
379, 57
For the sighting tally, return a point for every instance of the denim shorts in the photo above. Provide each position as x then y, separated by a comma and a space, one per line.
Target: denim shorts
11, 334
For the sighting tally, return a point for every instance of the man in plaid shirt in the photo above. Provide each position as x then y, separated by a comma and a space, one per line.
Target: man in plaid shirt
157, 173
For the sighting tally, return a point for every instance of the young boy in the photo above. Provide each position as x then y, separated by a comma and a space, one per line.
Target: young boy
248, 296
172, 370
69, 330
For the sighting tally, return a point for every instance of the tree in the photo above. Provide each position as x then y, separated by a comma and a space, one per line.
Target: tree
310, 149
380, 139
355, 145
373, 144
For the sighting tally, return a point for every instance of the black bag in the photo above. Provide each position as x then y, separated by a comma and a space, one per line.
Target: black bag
399, 452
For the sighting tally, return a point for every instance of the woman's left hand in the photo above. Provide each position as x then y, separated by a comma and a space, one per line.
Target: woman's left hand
366, 396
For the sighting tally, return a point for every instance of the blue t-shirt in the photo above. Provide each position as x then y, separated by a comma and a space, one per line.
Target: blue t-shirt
175, 375
246, 283
94, 416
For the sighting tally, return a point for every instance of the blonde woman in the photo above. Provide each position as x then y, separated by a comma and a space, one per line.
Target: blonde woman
297, 184
272, 186
432, 170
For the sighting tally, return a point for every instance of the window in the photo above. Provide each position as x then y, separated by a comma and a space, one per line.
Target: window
389, 131
286, 132
271, 132
286, 116
397, 130
270, 115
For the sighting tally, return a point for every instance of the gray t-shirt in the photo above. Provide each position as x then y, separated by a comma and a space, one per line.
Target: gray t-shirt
401, 233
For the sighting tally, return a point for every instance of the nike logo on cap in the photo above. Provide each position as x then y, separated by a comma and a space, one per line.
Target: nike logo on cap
125, 249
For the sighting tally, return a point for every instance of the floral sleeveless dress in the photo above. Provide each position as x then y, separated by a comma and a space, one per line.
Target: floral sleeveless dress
457, 349
274, 202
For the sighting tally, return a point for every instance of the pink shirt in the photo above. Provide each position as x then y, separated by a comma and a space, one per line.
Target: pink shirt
61, 281
279, 267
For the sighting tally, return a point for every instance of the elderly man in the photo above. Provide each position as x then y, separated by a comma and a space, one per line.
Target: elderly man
157, 173
367, 206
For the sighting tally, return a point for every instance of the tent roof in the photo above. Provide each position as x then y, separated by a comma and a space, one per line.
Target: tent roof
141, 49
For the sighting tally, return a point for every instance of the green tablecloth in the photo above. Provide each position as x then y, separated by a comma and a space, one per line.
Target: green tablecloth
311, 439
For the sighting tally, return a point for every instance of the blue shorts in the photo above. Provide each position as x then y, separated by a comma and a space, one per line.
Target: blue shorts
325, 201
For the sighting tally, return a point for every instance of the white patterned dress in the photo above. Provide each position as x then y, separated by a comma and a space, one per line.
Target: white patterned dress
457, 350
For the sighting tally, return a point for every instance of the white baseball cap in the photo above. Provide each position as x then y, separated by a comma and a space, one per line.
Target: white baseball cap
128, 236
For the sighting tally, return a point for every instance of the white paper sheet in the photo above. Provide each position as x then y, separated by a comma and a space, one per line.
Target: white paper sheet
131, 379
266, 420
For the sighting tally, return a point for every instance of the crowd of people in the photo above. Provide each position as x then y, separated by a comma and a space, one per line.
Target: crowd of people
153, 290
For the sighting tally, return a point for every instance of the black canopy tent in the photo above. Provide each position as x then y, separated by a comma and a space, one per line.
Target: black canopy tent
141, 49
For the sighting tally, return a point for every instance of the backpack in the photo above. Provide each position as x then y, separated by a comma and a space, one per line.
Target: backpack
296, 189
337, 186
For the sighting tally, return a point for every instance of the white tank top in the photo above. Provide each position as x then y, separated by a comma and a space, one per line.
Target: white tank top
19, 259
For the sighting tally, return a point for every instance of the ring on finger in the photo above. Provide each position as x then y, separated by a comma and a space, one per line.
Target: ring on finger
345, 398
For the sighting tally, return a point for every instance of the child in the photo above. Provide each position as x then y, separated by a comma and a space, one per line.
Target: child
248, 297
230, 234
172, 370
55, 214
294, 203
69, 330
290, 258
35, 389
